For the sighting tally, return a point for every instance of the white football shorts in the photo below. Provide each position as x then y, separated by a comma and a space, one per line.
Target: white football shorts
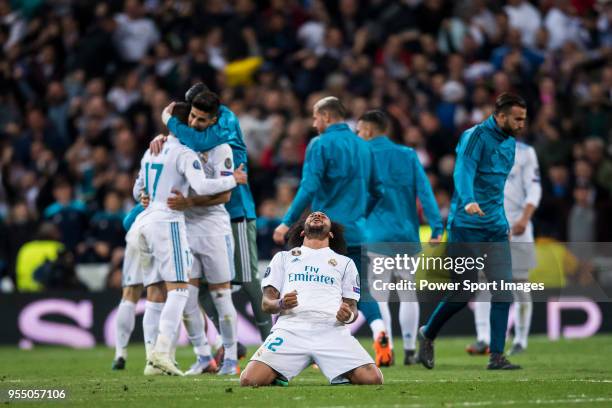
332, 348
213, 258
171, 259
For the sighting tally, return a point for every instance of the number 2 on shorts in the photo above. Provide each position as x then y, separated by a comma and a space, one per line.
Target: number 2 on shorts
274, 344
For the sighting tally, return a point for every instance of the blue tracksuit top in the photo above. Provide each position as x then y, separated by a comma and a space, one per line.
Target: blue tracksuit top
226, 130
340, 179
485, 156
395, 218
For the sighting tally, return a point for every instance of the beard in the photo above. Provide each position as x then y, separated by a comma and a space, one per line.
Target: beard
319, 231
508, 129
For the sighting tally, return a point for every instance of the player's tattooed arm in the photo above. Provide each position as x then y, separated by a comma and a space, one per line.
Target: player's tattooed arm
272, 302
348, 311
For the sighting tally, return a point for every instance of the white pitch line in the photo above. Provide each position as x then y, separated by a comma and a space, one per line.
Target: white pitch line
538, 401
409, 380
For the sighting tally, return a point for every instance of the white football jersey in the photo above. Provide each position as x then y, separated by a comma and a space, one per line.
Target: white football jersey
321, 278
175, 168
523, 184
214, 219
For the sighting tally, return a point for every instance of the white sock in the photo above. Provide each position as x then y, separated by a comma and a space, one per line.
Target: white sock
218, 341
386, 315
124, 326
194, 323
228, 320
174, 344
170, 319
482, 314
409, 322
377, 326
150, 325
523, 309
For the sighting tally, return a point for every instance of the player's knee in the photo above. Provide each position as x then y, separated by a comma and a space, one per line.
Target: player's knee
367, 375
257, 374
373, 376
248, 379
156, 293
219, 286
132, 293
245, 379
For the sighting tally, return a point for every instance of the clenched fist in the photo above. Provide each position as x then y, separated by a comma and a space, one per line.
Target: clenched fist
345, 313
289, 301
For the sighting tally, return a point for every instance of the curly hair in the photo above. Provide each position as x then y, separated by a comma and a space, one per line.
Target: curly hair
337, 243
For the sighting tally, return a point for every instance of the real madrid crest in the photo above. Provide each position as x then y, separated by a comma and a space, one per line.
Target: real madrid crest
332, 262
204, 157
296, 252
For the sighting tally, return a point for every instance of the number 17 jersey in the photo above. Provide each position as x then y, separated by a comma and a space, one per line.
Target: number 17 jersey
175, 168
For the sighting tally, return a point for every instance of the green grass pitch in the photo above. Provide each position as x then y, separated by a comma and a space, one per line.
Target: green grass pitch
562, 373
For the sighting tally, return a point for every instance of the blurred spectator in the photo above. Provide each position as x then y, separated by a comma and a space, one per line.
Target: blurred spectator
594, 150
563, 24
583, 217
595, 113
135, 34
105, 233
554, 208
84, 87
38, 129
67, 214
523, 16
59, 273
44, 248
267, 220
19, 228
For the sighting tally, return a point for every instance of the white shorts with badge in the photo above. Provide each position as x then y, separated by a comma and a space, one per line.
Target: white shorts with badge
171, 259
213, 258
332, 348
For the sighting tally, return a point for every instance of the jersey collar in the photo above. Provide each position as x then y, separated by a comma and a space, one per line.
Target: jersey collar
380, 139
305, 248
336, 127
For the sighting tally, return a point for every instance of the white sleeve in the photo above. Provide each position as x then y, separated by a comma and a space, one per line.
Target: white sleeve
139, 185
223, 163
275, 272
350, 282
531, 179
190, 166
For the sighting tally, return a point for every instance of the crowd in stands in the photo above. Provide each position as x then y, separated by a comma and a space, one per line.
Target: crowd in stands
83, 86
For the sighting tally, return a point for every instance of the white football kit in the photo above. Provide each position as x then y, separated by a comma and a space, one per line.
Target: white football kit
161, 229
208, 228
310, 332
522, 188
